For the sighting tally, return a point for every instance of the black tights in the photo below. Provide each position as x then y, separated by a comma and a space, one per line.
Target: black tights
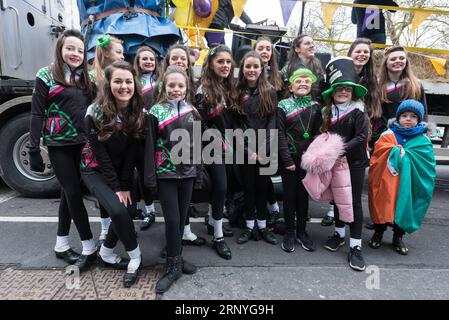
296, 199
218, 178
66, 163
175, 196
255, 186
122, 226
355, 228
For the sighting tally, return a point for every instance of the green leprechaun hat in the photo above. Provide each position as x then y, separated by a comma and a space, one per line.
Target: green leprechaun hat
340, 71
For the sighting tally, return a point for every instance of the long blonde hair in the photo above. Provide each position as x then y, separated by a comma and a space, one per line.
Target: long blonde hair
100, 57
412, 86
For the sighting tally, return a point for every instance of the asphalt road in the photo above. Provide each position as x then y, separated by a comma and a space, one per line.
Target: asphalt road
257, 270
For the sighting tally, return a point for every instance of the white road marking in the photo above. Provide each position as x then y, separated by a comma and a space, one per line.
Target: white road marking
92, 219
8, 196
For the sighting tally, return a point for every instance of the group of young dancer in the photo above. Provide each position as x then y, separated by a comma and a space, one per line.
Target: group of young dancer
112, 128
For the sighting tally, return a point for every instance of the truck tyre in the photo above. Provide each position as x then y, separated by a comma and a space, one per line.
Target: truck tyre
14, 165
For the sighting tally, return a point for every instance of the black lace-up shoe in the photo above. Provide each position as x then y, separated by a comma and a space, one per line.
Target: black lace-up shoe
288, 243
355, 259
305, 241
334, 242
222, 249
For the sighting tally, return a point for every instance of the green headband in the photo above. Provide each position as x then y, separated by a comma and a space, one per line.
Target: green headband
103, 40
302, 72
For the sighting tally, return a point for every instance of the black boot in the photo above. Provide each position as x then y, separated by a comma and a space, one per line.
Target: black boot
172, 273
188, 268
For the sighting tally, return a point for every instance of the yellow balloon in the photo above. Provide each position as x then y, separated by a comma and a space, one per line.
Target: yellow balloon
183, 16
181, 3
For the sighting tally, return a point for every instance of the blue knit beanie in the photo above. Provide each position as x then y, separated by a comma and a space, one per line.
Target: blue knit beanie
411, 105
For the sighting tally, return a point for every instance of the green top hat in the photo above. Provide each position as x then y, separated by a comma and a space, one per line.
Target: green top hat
340, 71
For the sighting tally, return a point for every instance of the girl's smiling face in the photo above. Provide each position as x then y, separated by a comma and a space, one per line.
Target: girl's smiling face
264, 48
360, 55
301, 87
307, 48
72, 52
221, 64
252, 69
147, 62
342, 94
122, 86
396, 61
179, 58
175, 86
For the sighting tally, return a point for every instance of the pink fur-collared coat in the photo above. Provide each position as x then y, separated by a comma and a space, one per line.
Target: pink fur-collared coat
328, 177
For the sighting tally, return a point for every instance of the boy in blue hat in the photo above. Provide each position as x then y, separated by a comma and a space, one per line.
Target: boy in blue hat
401, 177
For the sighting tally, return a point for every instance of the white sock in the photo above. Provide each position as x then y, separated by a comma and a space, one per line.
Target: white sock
355, 242
136, 259
88, 247
274, 207
261, 224
250, 224
218, 228
107, 254
340, 231
188, 234
62, 244
103, 234
150, 208
105, 223
330, 213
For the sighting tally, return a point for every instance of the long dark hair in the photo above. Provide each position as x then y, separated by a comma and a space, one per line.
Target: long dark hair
214, 88
411, 88
294, 62
369, 80
57, 68
274, 76
133, 120
156, 71
264, 88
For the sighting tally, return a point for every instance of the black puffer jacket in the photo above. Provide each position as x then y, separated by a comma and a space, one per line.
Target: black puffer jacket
351, 122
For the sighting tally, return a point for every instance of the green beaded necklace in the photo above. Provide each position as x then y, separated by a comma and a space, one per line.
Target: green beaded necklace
304, 102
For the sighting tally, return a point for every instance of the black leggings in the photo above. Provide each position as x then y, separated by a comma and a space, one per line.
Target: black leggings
271, 195
255, 187
218, 178
296, 199
66, 165
397, 231
122, 226
175, 196
355, 228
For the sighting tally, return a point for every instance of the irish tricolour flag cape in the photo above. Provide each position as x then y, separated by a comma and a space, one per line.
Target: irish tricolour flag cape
408, 171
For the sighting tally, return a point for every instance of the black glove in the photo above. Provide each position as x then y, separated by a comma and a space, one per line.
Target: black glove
36, 161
